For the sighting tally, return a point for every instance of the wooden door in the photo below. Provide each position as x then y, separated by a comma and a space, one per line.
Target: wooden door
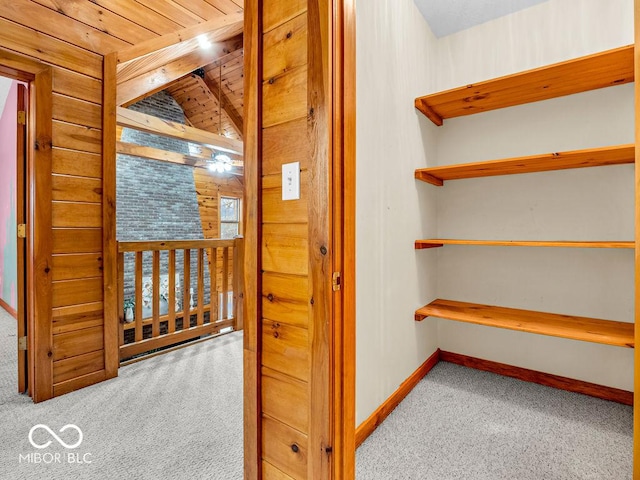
21, 219
299, 322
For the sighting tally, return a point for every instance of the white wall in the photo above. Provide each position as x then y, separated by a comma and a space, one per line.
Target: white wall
585, 204
395, 51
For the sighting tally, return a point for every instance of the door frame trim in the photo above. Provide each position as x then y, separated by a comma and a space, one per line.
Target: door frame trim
38, 216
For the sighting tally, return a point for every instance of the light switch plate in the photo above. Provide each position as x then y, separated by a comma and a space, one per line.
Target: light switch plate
291, 181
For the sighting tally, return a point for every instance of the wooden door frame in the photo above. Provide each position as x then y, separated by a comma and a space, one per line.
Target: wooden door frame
21, 211
38, 214
636, 379
334, 61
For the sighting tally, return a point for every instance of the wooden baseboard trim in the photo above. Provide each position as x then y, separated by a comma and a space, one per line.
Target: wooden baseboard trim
367, 427
546, 379
12, 311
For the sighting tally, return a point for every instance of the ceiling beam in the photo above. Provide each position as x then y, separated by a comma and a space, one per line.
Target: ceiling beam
147, 123
151, 153
228, 26
158, 59
151, 82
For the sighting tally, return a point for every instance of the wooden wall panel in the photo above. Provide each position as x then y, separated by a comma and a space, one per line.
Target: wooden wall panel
72, 266
78, 342
77, 240
285, 248
279, 392
72, 162
273, 206
285, 47
285, 97
74, 292
284, 447
285, 143
285, 348
277, 12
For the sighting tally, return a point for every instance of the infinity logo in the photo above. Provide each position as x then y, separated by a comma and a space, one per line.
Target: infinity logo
58, 439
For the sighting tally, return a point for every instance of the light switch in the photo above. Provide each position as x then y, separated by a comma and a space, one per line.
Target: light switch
291, 181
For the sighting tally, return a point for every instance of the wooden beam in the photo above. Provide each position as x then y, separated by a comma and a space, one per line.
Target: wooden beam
224, 103
227, 26
147, 123
148, 63
153, 81
151, 153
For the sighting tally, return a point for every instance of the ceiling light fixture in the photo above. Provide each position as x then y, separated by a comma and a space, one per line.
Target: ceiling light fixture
219, 163
203, 41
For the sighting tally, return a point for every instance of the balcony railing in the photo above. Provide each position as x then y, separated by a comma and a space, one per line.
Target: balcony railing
161, 280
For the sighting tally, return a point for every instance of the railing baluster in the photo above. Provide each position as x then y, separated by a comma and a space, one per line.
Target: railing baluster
186, 308
155, 284
200, 318
225, 283
121, 298
238, 260
138, 297
171, 312
213, 284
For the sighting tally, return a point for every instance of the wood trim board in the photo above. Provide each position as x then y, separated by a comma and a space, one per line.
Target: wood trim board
109, 245
10, 310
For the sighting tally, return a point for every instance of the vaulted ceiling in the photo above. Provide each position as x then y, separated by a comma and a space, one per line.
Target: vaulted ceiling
205, 79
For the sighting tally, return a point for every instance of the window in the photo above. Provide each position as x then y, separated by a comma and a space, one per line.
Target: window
229, 217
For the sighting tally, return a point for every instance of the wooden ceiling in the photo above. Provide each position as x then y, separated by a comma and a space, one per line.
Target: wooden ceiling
127, 24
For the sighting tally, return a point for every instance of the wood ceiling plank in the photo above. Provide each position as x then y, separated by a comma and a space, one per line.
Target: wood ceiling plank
201, 8
222, 28
201, 105
140, 14
173, 11
97, 17
60, 26
225, 103
226, 6
149, 124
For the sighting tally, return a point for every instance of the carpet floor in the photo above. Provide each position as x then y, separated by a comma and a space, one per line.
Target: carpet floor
465, 424
175, 416
179, 416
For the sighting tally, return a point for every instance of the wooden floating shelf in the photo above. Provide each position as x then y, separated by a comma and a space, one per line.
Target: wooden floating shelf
594, 330
439, 242
592, 157
604, 69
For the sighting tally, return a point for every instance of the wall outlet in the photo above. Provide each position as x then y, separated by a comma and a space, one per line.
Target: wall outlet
291, 181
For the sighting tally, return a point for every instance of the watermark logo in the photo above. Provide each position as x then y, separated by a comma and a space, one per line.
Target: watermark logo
56, 437
55, 457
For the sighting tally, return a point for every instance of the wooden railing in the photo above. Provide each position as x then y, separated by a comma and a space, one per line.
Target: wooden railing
152, 307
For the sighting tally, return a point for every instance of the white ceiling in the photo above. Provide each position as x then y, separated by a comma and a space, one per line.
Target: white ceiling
450, 16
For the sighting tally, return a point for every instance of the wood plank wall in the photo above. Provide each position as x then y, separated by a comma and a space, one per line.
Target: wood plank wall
292, 264
209, 188
75, 51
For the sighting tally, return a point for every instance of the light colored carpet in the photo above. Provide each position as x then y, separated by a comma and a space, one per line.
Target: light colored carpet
175, 416
465, 424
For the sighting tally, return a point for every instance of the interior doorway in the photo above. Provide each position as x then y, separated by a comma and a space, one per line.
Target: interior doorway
13, 316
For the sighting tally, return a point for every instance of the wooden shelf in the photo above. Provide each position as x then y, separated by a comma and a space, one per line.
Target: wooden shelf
592, 157
605, 69
594, 330
439, 242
